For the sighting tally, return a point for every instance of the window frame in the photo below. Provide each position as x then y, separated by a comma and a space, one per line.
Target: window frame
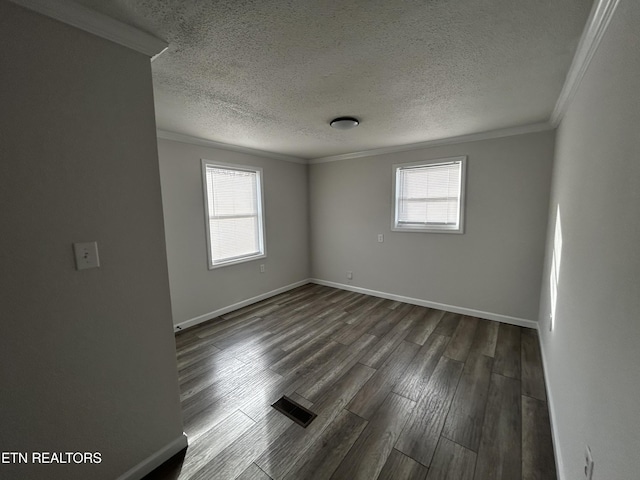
207, 217
396, 227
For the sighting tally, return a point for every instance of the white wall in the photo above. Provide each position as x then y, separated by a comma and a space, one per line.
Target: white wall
87, 358
593, 354
494, 267
197, 291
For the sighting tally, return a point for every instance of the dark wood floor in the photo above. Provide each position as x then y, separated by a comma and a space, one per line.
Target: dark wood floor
401, 392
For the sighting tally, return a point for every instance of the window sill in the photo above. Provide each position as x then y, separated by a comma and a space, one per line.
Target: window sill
458, 231
237, 261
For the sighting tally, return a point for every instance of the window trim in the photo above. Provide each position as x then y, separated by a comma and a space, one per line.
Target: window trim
395, 227
261, 223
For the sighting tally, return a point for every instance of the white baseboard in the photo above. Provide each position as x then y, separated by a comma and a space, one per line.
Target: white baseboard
521, 322
153, 461
221, 311
552, 415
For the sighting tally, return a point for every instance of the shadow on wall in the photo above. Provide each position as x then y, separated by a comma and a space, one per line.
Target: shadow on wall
169, 470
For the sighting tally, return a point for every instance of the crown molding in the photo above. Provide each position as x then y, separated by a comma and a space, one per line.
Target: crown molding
98, 24
594, 30
179, 137
504, 132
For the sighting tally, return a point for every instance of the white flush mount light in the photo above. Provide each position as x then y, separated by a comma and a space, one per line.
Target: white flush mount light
344, 123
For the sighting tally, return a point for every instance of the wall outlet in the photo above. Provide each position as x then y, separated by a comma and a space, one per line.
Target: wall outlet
349, 275
588, 464
262, 269
380, 238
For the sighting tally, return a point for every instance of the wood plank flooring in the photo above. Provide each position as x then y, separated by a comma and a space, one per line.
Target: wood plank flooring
401, 392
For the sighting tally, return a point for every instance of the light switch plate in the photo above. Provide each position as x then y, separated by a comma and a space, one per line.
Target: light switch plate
86, 255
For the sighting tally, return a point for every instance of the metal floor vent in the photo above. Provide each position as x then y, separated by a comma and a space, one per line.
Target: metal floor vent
294, 411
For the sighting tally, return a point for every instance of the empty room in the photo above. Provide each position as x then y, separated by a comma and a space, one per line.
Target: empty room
320, 240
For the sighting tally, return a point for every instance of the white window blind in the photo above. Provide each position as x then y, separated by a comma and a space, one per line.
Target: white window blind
428, 196
234, 214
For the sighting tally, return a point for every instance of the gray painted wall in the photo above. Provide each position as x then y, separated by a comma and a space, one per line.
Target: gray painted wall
87, 357
197, 291
494, 267
593, 354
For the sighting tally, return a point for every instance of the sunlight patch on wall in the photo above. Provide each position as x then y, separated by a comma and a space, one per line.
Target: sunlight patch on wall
555, 268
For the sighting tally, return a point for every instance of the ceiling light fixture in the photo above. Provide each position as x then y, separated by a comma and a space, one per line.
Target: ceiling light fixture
344, 123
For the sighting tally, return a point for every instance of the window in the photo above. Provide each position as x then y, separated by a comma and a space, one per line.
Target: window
429, 196
233, 209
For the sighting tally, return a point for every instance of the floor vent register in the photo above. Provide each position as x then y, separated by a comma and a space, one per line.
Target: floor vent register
294, 411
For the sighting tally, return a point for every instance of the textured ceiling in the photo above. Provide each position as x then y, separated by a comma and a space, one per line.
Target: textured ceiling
270, 74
